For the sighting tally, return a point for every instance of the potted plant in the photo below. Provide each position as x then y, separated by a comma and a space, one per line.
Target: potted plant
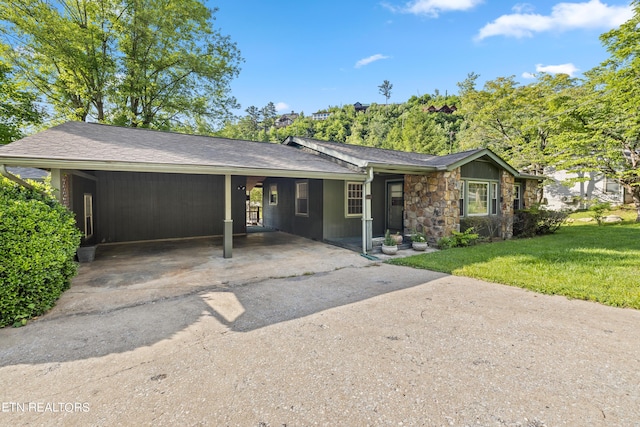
419, 241
389, 244
87, 250
398, 238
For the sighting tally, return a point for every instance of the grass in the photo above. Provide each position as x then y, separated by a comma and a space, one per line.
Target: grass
581, 261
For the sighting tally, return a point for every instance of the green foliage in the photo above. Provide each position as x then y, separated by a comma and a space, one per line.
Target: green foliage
459, 239
147, 63
487, 226
518, 122
581, 261
598, 210
537, 221
38, 242
418, 237
406, 127
389, 240
17, 106
385, 90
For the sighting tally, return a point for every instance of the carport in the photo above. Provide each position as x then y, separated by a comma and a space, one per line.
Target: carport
127, 185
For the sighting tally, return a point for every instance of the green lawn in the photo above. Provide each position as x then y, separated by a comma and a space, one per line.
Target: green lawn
582, 261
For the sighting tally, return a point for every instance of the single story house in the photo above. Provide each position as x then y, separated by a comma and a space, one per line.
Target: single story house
128, 184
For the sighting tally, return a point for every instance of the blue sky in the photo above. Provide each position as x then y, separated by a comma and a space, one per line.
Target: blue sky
308, 55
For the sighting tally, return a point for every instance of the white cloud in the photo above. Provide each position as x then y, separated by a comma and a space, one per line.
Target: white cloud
280, 106
523, 8
563, 17
569, 69
369, 60
433, 8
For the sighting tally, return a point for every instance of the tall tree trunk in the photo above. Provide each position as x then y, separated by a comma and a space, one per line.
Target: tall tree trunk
635, 194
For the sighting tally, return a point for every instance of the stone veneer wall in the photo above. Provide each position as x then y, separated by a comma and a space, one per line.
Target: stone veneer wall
431, 204
530, 196
507, 183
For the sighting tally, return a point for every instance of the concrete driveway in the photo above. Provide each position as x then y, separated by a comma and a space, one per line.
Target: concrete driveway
309, 334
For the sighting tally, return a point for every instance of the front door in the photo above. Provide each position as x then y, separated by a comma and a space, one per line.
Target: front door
395, 206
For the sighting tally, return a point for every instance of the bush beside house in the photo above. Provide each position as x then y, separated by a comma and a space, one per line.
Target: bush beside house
38, 242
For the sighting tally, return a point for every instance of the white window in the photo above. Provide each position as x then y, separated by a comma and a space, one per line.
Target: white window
273, 194
494, 198
302, 198
477, 198
611, 186
354, 198
88, 215
516, 197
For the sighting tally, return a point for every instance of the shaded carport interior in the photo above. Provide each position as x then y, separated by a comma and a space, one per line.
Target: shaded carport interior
156, 185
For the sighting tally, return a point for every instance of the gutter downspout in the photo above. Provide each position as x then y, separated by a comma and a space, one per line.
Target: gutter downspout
366, 210
4, 172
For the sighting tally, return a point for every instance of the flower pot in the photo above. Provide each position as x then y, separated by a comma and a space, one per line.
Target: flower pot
419, 246
86, 253
390, 250
398, 238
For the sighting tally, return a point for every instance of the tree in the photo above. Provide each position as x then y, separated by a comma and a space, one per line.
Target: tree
148, 63
607, 139
519, 123
17, 107
385, 90
269, 114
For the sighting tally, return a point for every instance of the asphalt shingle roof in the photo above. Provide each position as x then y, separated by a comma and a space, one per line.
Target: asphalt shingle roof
91, 142
392, 157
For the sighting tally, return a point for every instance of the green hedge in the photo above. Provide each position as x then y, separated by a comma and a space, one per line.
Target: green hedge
38, 242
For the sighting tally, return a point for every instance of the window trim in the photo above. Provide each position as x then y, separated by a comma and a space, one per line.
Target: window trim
347, 198
462, 199
495, 207
304, 182
88, 215
517, 189
273, 201
486, 184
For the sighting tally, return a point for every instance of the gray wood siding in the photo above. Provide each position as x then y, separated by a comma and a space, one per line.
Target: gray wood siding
480, 170
282, 216
336, 223
146, 206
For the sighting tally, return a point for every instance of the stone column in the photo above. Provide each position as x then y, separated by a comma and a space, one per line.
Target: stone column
507, 182
431, 204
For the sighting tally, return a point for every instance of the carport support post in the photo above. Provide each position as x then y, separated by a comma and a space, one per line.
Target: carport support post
56, 183
227, 239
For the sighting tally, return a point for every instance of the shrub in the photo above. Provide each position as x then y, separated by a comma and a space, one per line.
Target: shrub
598, 210
537, 221
38, 241
458, 239
487, 226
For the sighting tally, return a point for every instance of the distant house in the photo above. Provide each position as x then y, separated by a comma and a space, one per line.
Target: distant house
33, 174
127, 184
444, 109
360, 107
580, 190
286, 120
320, 115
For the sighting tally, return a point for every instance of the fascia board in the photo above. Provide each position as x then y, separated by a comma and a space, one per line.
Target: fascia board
173, 168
